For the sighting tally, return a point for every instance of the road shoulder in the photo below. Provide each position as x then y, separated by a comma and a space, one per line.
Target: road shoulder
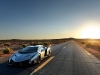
92, 51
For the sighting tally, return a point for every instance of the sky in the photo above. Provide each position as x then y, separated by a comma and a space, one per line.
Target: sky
47, 19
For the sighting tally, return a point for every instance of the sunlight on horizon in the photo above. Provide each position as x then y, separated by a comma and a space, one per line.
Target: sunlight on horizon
91, 30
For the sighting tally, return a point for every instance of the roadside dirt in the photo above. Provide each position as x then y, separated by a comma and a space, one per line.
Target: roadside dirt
5, 57
92, 51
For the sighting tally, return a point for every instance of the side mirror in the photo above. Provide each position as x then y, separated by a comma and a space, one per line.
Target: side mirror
42, 49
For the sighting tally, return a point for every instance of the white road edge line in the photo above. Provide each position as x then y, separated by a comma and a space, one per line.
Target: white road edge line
42, 65
64, 47
87, 52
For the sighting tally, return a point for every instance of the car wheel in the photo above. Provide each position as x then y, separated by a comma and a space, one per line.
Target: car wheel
38, 59
33, 63
49, 54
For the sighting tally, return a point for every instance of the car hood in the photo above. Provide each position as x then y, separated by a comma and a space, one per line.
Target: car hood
18, 57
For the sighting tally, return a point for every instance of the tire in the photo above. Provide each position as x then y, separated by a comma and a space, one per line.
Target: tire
49, 54
39, 60
33, 63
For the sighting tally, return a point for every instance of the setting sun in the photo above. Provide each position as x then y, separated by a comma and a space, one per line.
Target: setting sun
91, 31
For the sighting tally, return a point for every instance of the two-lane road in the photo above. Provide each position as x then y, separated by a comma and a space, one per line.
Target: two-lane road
66, 59
71, 60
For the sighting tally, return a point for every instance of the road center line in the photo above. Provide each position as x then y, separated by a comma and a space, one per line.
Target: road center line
42, 65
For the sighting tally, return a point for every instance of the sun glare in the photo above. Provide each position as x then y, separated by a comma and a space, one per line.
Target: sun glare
91, 31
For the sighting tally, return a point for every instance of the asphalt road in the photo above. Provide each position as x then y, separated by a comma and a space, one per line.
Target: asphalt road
66, 59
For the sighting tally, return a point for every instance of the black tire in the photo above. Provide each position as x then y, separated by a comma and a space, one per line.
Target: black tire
33, 63
45, 52
39, 60
49, 54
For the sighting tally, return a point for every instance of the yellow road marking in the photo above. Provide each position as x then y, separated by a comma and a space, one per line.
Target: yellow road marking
42, 65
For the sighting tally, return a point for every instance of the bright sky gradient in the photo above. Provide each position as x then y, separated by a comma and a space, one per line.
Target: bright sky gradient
47, 19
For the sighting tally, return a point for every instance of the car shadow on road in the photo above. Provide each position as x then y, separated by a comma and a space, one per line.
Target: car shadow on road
6, 69
29, 70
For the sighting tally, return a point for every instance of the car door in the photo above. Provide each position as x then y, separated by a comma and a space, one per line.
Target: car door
42, 52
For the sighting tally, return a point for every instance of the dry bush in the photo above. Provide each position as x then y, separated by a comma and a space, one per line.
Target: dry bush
24, 45
83, 42
88, 45
7, 50
94, 45
1, 53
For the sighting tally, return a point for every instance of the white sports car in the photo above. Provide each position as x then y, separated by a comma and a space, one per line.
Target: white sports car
29, 55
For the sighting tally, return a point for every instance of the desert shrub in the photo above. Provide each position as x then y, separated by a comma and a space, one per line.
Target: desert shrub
7, 50
98, 47
31, 43
24, 45
6, 44
46, 43
95, 46
1, 53
89, 45
82, 42
37, 43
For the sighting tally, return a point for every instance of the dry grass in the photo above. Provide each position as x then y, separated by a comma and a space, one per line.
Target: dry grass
94, 52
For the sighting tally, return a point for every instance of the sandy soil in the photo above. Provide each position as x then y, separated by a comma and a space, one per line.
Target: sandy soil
92, 51
4, 57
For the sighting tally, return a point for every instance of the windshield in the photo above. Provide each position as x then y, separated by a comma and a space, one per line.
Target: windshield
28, 50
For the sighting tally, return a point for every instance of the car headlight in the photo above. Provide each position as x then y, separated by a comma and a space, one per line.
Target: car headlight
11, 56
